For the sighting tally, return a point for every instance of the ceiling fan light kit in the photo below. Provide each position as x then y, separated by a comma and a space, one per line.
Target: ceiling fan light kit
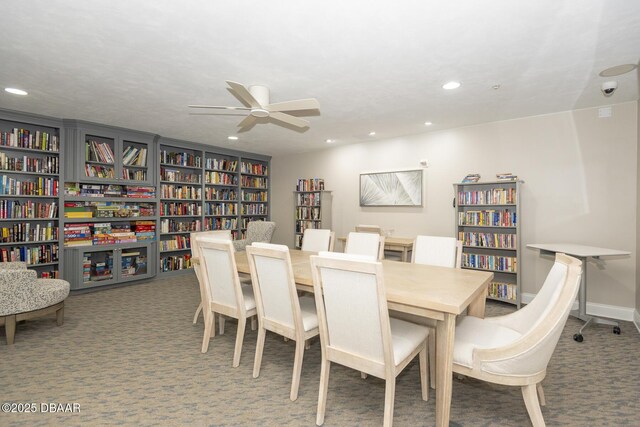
257, 102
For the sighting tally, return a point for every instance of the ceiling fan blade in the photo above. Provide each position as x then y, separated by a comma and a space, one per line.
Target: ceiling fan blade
247, 123
289, 119
299, 104
244, 94
218, 107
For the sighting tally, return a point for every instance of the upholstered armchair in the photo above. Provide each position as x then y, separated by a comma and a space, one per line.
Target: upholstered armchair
23, 296
257, 231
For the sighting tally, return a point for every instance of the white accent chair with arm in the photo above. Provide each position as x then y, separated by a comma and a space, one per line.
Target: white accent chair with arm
355, 328
368, 244
317, 240
280, 310
222, 292
515, 349
257, 231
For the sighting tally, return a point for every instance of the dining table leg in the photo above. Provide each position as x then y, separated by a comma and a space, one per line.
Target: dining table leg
477, 306
445, 334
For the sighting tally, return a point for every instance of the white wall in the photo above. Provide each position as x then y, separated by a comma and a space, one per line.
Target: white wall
580, 186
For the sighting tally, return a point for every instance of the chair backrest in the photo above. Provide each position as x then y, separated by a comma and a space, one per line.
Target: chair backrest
531, 353
352, 308
316, 240
365, 244
365, 228
217, 234
260, 231
218, 273
273, 284
435, 250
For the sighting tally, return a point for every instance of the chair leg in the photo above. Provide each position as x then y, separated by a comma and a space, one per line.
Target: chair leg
209, 329
543, 402
297, 369
363, 375
221, 321
60, 316
389, 397
424, 374
239, 338
254, 323
198, 310
432, 357
10, 328
257, 362
530, 396
325, 368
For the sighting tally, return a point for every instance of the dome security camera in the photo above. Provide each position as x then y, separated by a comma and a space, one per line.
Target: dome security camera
609, 87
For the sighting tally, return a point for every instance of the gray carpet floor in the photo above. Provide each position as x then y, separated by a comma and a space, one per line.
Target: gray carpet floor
130, 356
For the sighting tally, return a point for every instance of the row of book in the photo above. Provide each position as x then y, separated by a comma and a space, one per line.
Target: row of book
170, 191
211, 193
97, 267
253, 182
95, 209
308, 213
488, 240
109, 190
180, 208
255, 209
96, 151
134, 156
39, 186
97, 171
220, 178
495, 196
173, 226
32, 255
493, 218
89, 234
254, 168
176, 243
26, 232
255, 196
48, 164
175, 262
303, 225
175, 175
222, 224
24, 138
180, 159
134, 174
490, 262
245, 221
502, 290
221, 209
308, 199
221, 164
27, 209
310, 184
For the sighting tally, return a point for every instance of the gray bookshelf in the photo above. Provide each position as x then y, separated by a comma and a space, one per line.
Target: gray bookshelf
312, 209
488, 224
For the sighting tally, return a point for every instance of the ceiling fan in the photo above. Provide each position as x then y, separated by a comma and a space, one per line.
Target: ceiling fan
256, 101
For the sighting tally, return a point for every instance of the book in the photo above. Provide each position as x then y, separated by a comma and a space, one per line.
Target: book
506, 176
472, 177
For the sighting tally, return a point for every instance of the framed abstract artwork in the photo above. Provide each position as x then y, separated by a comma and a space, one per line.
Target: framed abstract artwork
401, 188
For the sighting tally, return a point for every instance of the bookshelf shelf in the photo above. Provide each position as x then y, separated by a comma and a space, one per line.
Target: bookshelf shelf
488, 224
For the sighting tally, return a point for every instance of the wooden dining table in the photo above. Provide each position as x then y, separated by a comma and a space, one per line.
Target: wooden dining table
438, 293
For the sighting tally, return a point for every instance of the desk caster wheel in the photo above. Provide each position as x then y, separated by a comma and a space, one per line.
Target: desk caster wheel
616, 330
578, 337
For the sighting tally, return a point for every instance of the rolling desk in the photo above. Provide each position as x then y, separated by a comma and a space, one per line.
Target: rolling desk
583, 253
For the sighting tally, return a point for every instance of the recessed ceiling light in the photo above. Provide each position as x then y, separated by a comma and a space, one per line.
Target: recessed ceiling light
451, 85
16, 91
618, 70
372, 133
428, 123
232, 138
330, 141
495, 87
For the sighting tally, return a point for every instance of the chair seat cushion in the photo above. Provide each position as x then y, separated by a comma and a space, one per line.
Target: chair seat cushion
308, 312
249, 299
473, 332
406, 336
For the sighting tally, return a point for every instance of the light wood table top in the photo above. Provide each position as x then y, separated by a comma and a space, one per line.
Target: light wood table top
438, 293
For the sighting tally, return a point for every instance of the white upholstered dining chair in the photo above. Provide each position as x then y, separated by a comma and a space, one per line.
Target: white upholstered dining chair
222, 292
280, 310
369, 244
361, 335
317, 240
195, 261
515, 349
437, 250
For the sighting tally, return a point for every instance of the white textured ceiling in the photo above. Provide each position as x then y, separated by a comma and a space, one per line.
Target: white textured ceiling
373, 65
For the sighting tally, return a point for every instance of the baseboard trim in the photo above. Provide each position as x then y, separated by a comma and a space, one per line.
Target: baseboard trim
601, 310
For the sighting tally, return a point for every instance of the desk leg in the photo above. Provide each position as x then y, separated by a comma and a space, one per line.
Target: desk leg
476, 308
445, 333
405, 255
